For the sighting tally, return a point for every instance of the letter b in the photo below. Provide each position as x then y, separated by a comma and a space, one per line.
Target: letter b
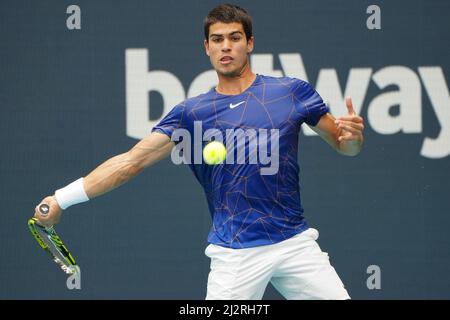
139, 81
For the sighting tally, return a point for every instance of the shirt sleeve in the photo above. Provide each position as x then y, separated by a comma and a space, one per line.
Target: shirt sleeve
173, 120
309, 102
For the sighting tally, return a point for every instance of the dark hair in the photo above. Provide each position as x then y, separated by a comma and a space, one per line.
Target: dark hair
228, 13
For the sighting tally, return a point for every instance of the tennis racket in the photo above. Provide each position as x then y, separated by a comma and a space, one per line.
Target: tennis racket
49, 240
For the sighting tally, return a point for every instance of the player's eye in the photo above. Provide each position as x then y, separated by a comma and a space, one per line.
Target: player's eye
236, 38
217, 40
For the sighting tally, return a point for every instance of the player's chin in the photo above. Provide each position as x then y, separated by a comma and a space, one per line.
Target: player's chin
228, 72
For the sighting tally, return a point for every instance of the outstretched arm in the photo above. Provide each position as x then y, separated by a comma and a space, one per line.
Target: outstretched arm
123, 167
108, 176
344, 134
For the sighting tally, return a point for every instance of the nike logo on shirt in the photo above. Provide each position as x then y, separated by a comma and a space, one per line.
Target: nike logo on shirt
235, 105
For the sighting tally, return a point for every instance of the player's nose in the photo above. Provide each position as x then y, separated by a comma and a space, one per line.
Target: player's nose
226, 45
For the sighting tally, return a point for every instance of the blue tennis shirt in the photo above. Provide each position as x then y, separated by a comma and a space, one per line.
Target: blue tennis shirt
249, 208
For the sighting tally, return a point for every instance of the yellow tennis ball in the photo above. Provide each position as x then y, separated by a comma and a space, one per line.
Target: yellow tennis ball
214, 153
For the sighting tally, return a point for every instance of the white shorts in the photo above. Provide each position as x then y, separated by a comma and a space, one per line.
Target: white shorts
296, 267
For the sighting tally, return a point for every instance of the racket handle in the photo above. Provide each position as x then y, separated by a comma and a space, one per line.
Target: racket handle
44, 209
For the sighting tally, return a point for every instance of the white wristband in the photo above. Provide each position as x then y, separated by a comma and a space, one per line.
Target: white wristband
71, 194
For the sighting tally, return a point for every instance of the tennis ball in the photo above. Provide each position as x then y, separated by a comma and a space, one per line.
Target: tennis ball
214, 153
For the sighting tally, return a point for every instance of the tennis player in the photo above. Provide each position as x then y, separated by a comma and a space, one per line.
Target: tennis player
258, 234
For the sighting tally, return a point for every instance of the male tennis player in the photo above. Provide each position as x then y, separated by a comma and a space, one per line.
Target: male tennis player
258, 233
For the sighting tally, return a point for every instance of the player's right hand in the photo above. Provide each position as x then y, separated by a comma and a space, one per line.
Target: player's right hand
54, 213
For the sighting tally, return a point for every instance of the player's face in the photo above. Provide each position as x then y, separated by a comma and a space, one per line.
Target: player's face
228, 48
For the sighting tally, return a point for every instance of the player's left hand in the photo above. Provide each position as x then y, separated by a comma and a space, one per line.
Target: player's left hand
351, 125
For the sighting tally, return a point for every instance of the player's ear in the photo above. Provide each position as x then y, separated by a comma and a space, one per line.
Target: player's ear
250, 44
206, 43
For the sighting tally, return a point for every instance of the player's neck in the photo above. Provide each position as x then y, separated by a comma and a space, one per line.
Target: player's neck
236, 85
